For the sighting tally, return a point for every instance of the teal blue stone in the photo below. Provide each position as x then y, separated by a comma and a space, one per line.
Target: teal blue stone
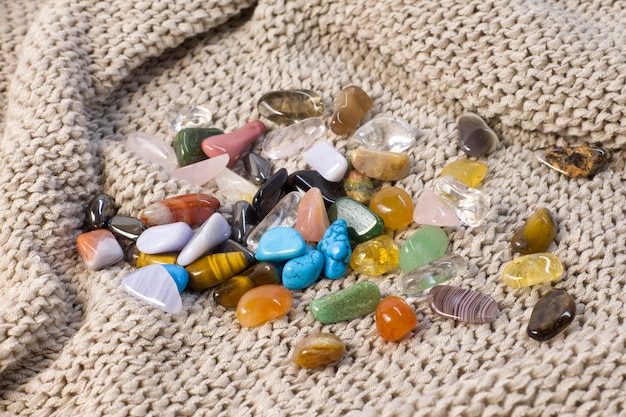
335, 246
303, 271
188, 144
178, 274
280, 244
363, 224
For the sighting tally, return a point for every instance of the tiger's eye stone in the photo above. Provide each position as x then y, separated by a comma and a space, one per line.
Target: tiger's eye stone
349, 303
285, 107
375, 257
140, 259
462, 304
394, 318
536, 234
475, 137
318, 349
363, 223
215, 268
193, 209
394, 206
262, 304
262, 273
533, 269
425, 245
551, 315
228, 293
188, 144
470, 173
359, 187
470, 205
575, 161
350, 108
381, 165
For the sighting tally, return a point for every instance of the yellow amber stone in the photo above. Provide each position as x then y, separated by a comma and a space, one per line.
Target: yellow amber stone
537, 233
470, 173
318, 349
375, 257
533, 269
211, 270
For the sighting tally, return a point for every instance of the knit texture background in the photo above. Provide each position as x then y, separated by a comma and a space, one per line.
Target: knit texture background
77, 76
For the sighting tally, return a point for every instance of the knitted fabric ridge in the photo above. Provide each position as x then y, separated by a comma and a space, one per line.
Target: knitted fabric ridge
76, 77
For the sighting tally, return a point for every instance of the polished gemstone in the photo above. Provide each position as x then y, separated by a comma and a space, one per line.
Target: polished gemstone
280, 244
375, 257
126, 227
469, 172
216, 268
318, 349
350, 107
363, 224
575, 161
386, 134
536, 234
258, 168
244, 220
312, 216
178, 274
99, 210
288, 106
433, 273
425, 245
359, 187
326, 160
214, 231
302, 271
470, 205
357, 300
99, 248
228, 293
234, 143
235, 187
165, 238
552, 314
432, 210
394, 206
394, 318
285, 214
262, 273
290, 140
533, 269
262, 304
188, 144
139, 259
200, 173
270, 193
476, 138
462, 304
154, 285
153, 149
381, 165
306, 179
192, 209
335, 246
181, 116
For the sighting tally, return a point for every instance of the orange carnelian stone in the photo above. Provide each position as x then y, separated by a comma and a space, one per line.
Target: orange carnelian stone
394, 318
394, 206
262, 304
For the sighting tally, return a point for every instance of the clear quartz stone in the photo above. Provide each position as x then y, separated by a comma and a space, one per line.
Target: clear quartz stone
153, 149
386, 134
290, 140
431, 274
234, 187
470, 204
181, 116
285, 214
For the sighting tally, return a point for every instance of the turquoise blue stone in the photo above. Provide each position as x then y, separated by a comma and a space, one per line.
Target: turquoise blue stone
178, 274
335, 246
280, 244
303, 271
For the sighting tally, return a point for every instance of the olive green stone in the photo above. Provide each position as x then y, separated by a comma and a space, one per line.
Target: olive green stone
537, 233
363, 223
187, 144
357, 300
425, 245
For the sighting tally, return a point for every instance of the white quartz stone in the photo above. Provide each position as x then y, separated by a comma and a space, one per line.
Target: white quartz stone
153, 149
290, 140
327, 160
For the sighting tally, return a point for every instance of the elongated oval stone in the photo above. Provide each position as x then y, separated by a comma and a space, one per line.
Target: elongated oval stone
312, 216
432, 210
188, 144
99, 248
533, 269
302, 271
244, 220
552, 314
394, 206
154, 285
350, 107
284, 214
288, 106
575, 161
306, 179
257, 167
470, 205
363, 224
126, 227
326, 160
394, 318
425, 245
192, 209
199, 173
153, 149
270, 193
462, 304
216, 268
433, 273
318, 349
381, 165
214, 231
475, 136
262, 304
376, 256
185, 115
139, 259
359, 187
290, 140
228, 293
386, 134
165, 238
469, 172
536, 234
234, 143
335, 246
280, 244
235, 187
349, 303
99, 210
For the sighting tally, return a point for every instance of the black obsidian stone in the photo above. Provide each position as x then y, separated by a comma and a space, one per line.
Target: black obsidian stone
270, 193
258, 168
243, 221
551, 315
99, 210
306, 179
126, 226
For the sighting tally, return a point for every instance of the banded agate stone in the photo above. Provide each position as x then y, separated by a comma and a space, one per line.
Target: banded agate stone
350, 108
536, 234
575, 161
462, 304
158, 286
318, 349
476, 138
533, 269
552, 314
262, 304
289, 106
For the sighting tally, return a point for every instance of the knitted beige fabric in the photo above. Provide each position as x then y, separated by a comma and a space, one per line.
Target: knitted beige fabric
77, 76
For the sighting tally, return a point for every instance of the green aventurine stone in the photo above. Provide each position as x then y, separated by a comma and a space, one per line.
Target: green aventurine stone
354, 301
425, 245
363, 223
187, 144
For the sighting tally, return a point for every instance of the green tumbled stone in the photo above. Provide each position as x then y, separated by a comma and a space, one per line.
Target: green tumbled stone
425, 245
188, 144
363, 223
354, 301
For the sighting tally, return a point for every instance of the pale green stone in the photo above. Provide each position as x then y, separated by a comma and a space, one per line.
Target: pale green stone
425, 245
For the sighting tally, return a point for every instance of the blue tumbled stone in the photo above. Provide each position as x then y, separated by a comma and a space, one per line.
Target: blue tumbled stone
335, 246
280, 244
178, 274
303, 271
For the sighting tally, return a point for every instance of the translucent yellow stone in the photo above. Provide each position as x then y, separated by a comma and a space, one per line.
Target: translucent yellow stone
375, 257
470, 173
533, 269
